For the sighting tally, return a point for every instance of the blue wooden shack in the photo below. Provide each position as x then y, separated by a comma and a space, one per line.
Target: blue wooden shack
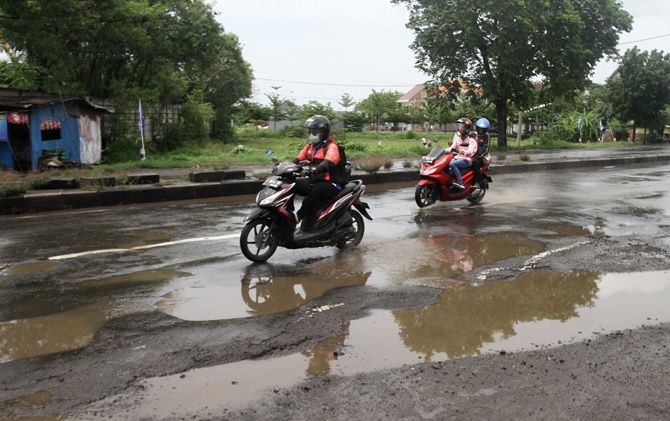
34, 125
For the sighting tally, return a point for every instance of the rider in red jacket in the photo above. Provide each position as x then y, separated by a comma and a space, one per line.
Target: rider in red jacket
323, 183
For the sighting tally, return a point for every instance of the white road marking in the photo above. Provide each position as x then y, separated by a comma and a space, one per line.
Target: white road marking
525, 199
148, 246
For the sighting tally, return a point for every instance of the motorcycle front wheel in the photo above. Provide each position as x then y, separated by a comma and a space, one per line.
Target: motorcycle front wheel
476, 196
257, 241
425, 195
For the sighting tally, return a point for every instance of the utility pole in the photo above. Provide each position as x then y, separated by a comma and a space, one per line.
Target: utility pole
518, 129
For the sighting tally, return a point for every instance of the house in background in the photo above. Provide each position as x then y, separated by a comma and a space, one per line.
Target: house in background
414, 97
37, 124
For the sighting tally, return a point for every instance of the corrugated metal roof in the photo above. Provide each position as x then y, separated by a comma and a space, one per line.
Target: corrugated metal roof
16, 99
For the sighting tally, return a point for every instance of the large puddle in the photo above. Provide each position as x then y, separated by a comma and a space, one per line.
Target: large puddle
264, 289
49, 334
536, 309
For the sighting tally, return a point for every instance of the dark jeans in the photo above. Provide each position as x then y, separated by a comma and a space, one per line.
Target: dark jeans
316, 195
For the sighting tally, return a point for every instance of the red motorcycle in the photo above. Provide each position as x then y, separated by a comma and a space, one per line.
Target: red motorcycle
437, 180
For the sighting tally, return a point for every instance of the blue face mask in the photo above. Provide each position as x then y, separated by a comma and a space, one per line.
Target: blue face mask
314, 138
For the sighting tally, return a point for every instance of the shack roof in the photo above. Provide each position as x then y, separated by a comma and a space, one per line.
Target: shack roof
16, 99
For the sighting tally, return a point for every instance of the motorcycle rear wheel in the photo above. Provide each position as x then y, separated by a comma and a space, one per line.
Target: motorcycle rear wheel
359, 229
257, 241
425, 195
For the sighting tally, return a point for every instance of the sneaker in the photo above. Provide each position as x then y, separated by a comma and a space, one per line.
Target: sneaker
476, 186
459, 186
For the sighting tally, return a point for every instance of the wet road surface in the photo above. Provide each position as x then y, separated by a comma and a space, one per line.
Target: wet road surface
158, 301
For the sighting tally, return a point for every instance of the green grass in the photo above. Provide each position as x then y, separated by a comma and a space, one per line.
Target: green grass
370, 146
254, 143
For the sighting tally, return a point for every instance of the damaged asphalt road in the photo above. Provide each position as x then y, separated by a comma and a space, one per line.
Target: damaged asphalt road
549, 300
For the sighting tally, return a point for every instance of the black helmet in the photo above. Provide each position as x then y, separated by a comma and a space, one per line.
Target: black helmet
466, 121
318, 122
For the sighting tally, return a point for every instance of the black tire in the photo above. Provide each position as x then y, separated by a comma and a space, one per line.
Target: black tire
476, 196
425, 195
258, 234
359, 230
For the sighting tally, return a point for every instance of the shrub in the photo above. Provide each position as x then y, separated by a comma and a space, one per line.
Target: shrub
411, 135
293, 131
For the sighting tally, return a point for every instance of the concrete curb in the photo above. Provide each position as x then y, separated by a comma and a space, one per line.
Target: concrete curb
53, 201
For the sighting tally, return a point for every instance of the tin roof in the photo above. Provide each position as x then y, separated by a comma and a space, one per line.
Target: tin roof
16, 99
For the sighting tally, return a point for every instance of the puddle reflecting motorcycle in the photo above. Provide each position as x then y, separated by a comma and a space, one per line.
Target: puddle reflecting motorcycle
270, 289
437, 181
339, 223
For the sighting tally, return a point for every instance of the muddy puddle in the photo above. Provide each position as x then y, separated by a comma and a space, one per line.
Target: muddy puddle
263, 289
537, 309
29, 267
66, 331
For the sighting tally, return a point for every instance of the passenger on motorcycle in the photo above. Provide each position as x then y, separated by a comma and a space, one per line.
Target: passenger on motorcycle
482, 155
323, 183
464, 146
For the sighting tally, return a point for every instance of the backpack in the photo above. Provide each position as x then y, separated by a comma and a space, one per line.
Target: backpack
342, 171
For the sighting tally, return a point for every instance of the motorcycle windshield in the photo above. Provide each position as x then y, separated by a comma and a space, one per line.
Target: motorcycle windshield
436, 153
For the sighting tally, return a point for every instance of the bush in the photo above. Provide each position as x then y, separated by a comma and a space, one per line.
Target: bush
411, 135
355, 147
293, 131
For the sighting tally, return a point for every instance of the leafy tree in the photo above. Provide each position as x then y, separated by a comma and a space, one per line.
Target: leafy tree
248, 111
380, 104
315, 107
276, 112
346, 101
159, 50
226, 83
499, 45
436, 109
640, 89
354, 121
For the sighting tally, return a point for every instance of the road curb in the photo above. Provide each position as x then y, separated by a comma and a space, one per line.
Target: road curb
53, 201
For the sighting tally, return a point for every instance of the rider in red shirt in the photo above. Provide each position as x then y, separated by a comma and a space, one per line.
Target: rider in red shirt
323, 183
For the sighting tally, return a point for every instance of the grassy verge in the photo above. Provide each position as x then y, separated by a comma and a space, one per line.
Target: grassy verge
258, 147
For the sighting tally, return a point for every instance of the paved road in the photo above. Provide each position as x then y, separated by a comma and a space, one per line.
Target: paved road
98, 305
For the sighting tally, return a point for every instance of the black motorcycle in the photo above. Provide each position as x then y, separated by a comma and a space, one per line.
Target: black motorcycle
274, 224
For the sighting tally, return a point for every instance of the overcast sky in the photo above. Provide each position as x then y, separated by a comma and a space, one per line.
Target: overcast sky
326, 44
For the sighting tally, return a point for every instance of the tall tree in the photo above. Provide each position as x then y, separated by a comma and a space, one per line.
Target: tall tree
276, 102
500, 45
640, 89
316, 107
346, 101
161, 50
380, 104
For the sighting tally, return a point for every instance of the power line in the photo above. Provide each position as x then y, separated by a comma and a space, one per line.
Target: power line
645, 39
381, 85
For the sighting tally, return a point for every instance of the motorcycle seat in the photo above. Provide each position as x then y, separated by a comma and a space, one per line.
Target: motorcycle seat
351, 186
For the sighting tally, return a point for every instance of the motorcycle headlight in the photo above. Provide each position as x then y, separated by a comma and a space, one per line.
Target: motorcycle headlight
264, 194
428, 171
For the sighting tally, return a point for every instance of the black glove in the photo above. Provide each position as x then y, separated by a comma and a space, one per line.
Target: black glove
309, 172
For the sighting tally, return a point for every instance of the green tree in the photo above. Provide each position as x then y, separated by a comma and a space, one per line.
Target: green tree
159, 50
346, 101
354, 121
380, 104
499, 45
276, 102
640, 89
252, 112
316, 107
